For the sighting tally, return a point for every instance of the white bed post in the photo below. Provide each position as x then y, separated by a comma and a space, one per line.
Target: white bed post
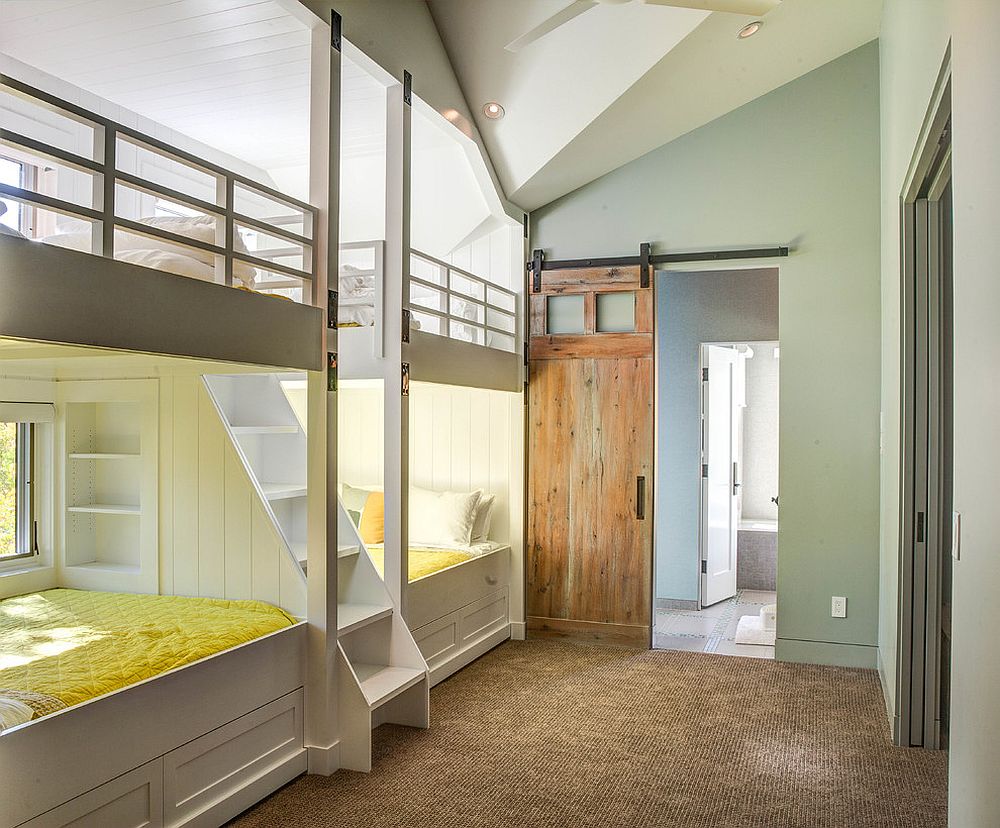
397, 301
520, 253
321, 726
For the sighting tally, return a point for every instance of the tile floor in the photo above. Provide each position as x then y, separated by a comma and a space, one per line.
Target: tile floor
713, 629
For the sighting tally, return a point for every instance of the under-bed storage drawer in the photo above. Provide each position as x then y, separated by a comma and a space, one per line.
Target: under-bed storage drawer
133, 800
464, 634
437, 595
218, 775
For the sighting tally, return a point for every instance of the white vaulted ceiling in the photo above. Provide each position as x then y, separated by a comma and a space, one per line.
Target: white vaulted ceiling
624, 78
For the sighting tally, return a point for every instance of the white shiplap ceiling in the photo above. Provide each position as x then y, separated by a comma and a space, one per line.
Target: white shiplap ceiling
233, 74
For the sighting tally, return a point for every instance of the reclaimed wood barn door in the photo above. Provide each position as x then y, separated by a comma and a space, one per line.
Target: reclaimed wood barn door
590, 455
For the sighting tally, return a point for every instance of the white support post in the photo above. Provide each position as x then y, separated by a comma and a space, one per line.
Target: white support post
321, 726
520, 252
396, 300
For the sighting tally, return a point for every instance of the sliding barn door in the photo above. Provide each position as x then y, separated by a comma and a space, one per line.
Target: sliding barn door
590, 457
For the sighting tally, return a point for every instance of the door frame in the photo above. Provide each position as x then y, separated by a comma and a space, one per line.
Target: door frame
917, 676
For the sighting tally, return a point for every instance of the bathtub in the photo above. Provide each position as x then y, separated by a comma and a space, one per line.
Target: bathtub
757, 554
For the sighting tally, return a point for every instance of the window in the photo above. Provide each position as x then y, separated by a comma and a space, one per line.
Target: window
17, 525
13, 214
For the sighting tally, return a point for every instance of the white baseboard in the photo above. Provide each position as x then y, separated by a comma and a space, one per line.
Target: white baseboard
518, 630
324, 761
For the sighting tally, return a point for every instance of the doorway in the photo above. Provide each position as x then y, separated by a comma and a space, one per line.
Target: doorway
717, 461
929, 527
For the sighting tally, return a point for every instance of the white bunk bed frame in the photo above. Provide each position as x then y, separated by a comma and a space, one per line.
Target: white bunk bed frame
106, 175
198, 744
459, 613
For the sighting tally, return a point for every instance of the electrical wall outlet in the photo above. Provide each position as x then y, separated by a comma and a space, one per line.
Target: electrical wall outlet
838, 607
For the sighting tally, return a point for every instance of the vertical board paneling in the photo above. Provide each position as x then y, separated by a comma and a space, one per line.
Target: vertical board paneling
237, 528
166, 489
185, 486
291, 595
461, 443
211, 498
264, 557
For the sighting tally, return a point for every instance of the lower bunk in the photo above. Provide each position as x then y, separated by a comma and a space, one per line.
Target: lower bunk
457, 602
145, 709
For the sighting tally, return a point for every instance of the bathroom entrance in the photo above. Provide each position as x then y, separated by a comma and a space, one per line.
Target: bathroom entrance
717, 462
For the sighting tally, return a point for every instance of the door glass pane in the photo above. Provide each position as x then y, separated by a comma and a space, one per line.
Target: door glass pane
564, 314
615, 312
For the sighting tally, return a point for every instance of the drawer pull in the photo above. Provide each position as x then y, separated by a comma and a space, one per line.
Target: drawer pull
492, 580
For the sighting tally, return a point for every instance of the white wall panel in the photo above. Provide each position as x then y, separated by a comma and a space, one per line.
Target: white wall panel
216, 539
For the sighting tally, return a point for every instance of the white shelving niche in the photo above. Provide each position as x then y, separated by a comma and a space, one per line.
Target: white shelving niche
108, 446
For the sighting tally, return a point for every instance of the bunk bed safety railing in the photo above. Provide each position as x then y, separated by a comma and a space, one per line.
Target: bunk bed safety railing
208, 222
448, 301
362, 288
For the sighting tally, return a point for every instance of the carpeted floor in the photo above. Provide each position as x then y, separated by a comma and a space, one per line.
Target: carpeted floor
544, 734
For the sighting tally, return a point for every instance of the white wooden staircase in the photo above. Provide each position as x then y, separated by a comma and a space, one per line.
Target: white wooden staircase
382, 677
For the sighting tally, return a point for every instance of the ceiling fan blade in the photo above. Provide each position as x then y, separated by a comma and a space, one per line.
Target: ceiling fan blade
575, 8
754, 7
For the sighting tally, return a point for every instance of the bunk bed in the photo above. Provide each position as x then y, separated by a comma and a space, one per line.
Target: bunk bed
463, 336
208, 691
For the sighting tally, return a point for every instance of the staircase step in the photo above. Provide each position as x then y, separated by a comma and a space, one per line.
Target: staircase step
382, 682
301, 551
265, 429
354, 616
282, 491
347, 551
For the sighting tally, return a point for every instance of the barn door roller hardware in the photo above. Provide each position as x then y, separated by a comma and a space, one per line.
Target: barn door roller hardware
646, 260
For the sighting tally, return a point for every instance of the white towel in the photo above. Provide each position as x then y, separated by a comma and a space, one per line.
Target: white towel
750, 630
769, 616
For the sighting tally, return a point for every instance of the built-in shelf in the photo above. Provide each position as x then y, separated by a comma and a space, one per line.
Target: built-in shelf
352, 616
106, 455
105, 509
281, 491
347, 551
102, 566
301, 551
382, 682
265, 429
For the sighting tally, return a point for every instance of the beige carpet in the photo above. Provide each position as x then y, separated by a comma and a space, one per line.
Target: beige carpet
546, 734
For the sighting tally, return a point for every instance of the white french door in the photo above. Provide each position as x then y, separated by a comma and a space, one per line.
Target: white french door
720, 473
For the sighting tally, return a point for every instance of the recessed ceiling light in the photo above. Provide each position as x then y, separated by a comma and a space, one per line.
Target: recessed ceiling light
493, 111
749, 30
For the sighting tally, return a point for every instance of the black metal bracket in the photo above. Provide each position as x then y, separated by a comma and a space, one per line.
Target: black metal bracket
525, 222
405, 379
407, 87
336, 29
644, 264
537, 261
331, 371
406, 325
331, 308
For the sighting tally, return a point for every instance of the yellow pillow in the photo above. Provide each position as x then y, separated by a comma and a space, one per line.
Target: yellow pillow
372, 527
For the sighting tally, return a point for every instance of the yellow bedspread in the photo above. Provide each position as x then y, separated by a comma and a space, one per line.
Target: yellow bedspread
423, 561
75, 644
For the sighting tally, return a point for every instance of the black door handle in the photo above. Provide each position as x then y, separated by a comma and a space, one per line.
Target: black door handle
640, 498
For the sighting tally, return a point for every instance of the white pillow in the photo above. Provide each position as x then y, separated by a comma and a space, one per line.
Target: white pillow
443, 519
484, 515
13, 713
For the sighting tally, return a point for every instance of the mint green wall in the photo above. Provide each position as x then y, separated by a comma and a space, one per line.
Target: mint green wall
799, 166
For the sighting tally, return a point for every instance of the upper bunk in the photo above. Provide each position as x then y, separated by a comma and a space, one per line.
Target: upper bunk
461, 290
144, 208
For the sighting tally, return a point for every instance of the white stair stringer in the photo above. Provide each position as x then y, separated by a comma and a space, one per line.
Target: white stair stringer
271, 444
382, 677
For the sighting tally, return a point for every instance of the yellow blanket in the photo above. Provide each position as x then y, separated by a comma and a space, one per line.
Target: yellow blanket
76, 645
423, 561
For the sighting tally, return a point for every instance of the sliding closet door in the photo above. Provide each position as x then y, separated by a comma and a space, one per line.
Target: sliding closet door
590, 457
